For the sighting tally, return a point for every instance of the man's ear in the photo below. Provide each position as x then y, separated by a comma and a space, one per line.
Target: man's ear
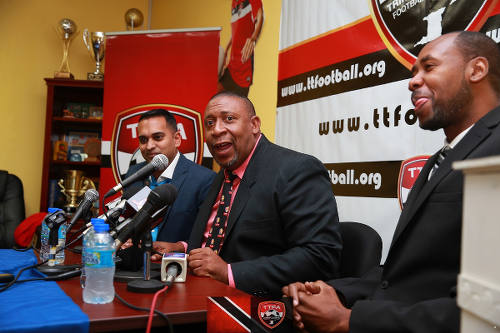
255, 124
477, 69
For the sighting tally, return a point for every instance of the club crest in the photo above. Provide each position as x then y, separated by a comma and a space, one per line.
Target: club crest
406, 26
125, 141
408, 173
271, 313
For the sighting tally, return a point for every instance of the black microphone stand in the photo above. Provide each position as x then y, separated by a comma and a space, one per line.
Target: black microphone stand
146, 285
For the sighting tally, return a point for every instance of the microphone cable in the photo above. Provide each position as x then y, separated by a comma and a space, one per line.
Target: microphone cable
153, 306
158, 312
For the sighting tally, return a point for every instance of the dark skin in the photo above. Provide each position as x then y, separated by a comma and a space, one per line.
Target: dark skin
441, 77
231, 132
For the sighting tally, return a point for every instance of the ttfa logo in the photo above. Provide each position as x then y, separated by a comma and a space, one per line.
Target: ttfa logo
125, 142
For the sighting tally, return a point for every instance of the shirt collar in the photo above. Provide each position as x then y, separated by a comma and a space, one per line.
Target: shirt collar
457, 139
240, 171
169, 171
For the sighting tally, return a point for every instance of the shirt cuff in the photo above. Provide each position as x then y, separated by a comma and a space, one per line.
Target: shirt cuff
230, 277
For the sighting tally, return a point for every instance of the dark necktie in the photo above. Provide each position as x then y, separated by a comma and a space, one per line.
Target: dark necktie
217, 231
440, 158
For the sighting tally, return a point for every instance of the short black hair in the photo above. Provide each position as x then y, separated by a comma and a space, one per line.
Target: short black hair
169, 118
248, 103
476, 44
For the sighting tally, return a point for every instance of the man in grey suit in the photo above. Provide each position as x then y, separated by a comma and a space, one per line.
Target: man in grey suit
278, 222
456, 87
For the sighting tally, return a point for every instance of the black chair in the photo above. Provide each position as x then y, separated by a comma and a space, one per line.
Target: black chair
362, 249
11, 207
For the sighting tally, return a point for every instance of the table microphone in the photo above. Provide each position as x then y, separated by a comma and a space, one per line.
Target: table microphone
173, 267
160, 197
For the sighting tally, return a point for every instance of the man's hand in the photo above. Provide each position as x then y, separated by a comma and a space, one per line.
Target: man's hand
205, 262
319, 307
292, 290
165, 247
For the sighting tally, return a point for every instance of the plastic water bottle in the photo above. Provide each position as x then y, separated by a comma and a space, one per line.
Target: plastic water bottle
61, 242
99, 266
44, 236
88, 235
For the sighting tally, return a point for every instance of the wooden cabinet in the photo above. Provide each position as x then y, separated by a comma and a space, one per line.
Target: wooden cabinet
62, 94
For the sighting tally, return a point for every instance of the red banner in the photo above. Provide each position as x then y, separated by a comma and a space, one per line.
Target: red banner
171, 69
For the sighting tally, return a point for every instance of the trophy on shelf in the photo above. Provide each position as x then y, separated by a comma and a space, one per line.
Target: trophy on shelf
67, 30
94, 41
133, 18
73, 186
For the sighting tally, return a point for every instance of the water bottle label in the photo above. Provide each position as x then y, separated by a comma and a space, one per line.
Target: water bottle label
99, 258
44, 234
62, 232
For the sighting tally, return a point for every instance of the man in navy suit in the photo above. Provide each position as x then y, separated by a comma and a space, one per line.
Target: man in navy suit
456, 87
158, 134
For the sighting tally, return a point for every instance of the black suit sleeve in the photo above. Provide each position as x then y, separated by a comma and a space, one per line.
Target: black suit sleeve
308, 218
432, 316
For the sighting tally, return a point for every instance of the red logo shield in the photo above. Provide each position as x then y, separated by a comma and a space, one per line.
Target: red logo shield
406, 26
271, 313
408, 173
125, 142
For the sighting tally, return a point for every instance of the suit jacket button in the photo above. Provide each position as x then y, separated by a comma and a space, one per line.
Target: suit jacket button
384, 284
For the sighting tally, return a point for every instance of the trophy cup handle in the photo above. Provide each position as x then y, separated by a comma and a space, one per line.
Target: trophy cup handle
63, 189
86, 41
87, 183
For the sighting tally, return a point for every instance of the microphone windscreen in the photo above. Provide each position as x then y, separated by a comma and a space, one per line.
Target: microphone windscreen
160, 162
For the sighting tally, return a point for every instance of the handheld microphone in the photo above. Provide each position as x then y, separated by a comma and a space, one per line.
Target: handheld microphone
159, 162
158, 198
88, 200
173, 267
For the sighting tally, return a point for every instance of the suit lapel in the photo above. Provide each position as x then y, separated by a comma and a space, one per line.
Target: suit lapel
244, 190
424, 188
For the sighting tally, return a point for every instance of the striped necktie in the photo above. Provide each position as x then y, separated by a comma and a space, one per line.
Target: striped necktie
440, 158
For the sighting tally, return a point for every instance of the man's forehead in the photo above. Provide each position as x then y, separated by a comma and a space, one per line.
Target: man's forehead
438, 47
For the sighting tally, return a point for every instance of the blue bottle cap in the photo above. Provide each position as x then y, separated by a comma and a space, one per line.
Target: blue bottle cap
96, 220
53, 210
101, 227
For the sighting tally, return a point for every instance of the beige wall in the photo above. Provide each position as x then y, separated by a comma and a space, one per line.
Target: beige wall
216, 13
30, 50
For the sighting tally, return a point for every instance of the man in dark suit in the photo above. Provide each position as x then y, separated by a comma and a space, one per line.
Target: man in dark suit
456, 87
158, 134
280, 221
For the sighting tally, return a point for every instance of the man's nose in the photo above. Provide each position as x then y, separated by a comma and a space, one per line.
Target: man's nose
219, 127
415, 82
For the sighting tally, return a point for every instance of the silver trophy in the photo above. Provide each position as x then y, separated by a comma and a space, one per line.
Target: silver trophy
67, 30
94, 41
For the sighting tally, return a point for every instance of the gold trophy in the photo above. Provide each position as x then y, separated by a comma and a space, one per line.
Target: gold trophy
133, 18
67, 29
94, 41
73, 186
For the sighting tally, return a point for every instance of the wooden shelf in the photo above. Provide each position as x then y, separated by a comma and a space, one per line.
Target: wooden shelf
89, 163
61, 92
70, 120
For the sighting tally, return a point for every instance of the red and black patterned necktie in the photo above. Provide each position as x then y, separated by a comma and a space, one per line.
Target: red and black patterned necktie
218, 229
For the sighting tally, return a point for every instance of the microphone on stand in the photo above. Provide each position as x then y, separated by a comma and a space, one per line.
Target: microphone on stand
160, 197
159, 162
88, 200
